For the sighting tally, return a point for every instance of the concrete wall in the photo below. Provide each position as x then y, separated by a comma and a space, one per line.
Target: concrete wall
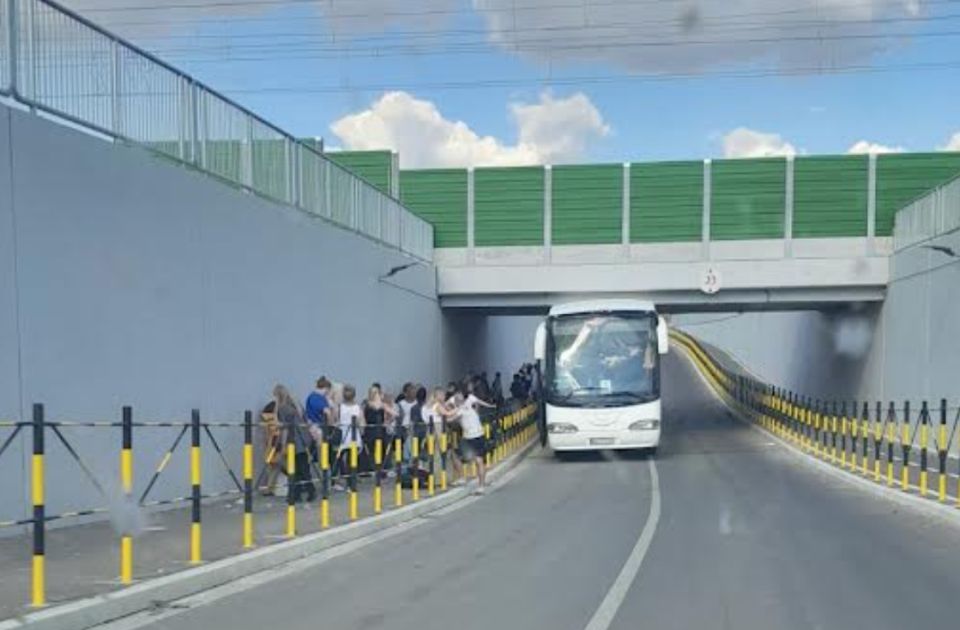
476, 342
125, 279
908, 348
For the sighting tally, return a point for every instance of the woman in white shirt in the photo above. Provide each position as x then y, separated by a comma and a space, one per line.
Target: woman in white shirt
349, 416
473, 446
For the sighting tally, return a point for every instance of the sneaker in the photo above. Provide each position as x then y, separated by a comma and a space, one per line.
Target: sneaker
480, 491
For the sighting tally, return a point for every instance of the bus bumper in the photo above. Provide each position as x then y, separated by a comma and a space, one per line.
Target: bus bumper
594, 440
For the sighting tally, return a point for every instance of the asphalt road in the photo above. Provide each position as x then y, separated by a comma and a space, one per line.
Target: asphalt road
745, 536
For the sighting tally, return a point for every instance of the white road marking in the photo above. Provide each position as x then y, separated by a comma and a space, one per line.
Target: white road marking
604, 615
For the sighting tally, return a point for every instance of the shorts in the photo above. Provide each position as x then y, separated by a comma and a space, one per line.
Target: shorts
473, 447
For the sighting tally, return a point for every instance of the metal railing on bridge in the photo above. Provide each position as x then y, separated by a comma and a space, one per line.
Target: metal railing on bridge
55, 61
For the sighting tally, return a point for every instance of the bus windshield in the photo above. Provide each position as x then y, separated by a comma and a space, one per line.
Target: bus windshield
602, 359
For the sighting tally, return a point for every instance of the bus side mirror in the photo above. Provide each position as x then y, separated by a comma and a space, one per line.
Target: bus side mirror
540, 343
663, 337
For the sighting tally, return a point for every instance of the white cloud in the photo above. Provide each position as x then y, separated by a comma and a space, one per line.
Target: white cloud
550, 130
864, 146
693, 34
749, 143
953, 144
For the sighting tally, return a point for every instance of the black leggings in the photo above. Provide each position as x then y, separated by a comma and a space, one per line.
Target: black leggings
302, 482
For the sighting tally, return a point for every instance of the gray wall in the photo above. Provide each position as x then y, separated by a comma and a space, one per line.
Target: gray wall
477, 341
907, 348
125, 279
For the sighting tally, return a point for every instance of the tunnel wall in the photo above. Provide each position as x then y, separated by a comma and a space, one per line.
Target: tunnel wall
127, 279
906, 348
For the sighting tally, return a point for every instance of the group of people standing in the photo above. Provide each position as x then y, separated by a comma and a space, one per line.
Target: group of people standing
333, 413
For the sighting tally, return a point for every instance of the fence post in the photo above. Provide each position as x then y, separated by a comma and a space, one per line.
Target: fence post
247, 479
13, 45
126, 483
39, 512
195, 471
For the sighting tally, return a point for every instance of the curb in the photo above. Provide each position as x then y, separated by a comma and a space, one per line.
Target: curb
92, 611
928, 507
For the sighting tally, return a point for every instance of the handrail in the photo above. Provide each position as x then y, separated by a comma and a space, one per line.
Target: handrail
54, 60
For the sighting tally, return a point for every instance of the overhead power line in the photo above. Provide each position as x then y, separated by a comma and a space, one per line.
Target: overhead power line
480, 84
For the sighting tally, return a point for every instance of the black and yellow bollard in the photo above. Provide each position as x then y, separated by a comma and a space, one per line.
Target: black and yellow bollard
891, 423
488, 450
126, 486
248, 479
444, 453
924, 438
38, 575
415, 462
398, 463
853, 437
354, 463
325, 481
905, 447
431, 457
378, 471
942, 452
196, 536
865, 439
843, 435
877, 441
292, 489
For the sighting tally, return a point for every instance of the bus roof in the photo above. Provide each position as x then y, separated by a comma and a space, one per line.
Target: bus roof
593, 306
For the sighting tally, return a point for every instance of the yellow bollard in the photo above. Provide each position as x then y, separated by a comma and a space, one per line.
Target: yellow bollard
38, 576
415, 481
291, 507
890, 438
354, 514
378, 471
248, 480
325, 471
905, 465
924, 438
126, 485
486, 437
443, 457
398, 460
196, 535
430, 454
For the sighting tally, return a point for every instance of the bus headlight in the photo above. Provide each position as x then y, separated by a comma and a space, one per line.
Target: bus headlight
645, 425
561, 427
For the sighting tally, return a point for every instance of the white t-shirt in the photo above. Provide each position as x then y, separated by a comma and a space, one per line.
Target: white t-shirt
347, 413
470, 419
405, 407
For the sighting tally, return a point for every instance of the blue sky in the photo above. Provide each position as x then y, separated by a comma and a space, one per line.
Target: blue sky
300, 47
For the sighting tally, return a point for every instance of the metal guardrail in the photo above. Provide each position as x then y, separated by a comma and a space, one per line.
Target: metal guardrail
54, 60
933, 214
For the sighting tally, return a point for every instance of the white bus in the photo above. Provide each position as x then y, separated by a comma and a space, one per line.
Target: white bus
600, 363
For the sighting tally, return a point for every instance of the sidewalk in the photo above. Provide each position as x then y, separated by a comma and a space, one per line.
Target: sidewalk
83, 560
